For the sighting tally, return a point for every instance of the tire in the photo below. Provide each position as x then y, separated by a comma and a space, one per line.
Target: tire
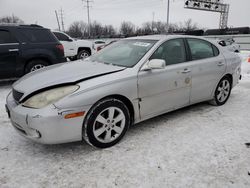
222, 92
35, 65
82, 54
100, 129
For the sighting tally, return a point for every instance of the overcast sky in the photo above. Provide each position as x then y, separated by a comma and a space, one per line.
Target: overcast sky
115, 11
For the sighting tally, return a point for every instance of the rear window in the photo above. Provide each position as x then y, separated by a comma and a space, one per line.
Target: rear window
38, 35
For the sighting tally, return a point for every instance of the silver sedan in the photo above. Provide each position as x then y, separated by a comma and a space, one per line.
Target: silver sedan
128, 82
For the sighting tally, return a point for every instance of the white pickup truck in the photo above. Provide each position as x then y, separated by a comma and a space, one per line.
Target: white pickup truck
73, 48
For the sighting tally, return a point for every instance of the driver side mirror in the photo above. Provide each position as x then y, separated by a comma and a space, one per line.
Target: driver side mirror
154, 64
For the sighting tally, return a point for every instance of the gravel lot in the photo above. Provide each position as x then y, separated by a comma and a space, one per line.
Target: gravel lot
198, 146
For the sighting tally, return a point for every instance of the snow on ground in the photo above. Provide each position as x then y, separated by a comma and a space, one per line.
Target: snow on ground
198, 146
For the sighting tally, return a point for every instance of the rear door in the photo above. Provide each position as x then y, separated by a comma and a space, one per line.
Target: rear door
9, 54
208, 67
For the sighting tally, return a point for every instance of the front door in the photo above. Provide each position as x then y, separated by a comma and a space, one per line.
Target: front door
169, 88
9, 52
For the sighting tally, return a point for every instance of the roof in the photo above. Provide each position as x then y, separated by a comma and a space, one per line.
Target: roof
20, 25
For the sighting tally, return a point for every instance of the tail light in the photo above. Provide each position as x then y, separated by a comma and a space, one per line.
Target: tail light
98, 48
60, 47
248, 60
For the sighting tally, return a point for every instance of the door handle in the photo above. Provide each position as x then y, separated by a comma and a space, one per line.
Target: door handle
220, 64
13, 50
185, 71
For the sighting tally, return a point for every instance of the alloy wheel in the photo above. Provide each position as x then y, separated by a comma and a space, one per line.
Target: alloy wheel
36, 67
223, 91
109, 125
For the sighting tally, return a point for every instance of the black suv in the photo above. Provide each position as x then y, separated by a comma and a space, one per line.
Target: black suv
25, 48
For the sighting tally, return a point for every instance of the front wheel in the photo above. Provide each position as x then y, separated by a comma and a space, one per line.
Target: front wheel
106, 123
222, 92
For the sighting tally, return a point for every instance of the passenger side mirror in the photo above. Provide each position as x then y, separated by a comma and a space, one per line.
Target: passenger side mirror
154, 64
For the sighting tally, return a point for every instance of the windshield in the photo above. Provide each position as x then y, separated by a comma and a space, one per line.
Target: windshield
125, 53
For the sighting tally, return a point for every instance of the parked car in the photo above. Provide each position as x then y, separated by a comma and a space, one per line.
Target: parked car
229, 44
128, 82
99, 44
26, 48
74, 48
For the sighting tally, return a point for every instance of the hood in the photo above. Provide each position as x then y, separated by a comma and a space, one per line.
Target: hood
66, 73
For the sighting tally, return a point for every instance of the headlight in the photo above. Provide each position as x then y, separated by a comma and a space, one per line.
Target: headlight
49, 97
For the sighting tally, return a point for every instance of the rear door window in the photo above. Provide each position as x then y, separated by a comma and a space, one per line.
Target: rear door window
6, 37
201, 49
38, 35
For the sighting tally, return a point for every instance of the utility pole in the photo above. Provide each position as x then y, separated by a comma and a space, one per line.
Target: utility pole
58, 21
153, 20
62, 17
168, 15
89, 23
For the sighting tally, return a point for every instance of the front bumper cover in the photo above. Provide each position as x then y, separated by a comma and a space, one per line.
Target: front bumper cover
46, 125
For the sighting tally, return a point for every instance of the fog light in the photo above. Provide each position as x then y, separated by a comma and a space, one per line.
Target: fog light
34, 133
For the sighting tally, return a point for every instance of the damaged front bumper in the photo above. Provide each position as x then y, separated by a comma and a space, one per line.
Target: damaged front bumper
47, 125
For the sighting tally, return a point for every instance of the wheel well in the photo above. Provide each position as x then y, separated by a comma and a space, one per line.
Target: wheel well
230, 78
87, 49
36, 58
127, 102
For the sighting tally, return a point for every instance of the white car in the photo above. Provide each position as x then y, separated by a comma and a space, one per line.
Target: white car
230, 44
73, 48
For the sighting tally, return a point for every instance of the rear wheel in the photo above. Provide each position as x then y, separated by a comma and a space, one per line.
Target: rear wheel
222, 92
83, 54
106, 123
35, 65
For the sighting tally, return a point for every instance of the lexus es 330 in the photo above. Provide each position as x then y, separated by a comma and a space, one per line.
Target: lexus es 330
129, 81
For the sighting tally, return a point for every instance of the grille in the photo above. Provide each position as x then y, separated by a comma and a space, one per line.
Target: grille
17, 95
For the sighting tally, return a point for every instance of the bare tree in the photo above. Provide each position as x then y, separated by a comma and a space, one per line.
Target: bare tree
189, 25
78, 29
11, 19
127, 28
108, 31
147, 28
96, 29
